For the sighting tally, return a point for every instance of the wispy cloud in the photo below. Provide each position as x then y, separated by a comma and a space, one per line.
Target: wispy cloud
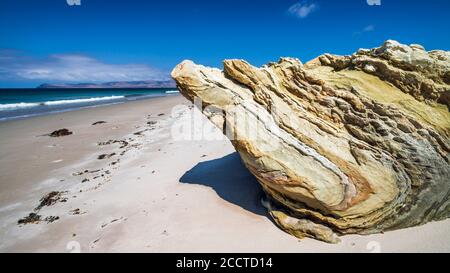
368, 28
302, 9
15, 65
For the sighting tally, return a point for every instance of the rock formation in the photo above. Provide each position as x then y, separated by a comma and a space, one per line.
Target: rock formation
341, 144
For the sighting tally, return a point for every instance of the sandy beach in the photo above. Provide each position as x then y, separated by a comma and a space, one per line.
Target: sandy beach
148, 192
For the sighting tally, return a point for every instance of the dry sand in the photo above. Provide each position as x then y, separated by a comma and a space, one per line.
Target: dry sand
163, 195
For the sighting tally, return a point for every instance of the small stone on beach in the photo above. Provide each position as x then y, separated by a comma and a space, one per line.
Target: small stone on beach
32, 218
51, 219
104, 156
98, 122
60, 133
50, 199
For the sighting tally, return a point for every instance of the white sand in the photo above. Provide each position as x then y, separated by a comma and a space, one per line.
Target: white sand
163, 196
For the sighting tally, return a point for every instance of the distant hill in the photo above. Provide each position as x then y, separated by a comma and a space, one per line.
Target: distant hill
131, 84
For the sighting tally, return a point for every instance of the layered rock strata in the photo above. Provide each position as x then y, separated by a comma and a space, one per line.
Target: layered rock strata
341, 144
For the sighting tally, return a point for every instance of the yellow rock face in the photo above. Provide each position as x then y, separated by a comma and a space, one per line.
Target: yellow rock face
340, 145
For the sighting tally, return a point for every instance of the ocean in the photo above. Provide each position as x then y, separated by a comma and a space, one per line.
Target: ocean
22, 103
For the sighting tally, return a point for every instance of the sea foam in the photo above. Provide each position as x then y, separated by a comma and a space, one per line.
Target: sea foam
20, 105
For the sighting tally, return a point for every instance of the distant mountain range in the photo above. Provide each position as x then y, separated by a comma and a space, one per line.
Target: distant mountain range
130, 84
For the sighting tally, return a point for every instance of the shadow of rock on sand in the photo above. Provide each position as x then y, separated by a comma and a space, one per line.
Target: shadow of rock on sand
230, 179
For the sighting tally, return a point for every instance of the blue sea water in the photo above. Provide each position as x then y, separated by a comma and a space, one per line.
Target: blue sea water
22, 103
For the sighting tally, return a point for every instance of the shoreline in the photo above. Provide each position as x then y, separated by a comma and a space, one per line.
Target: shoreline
54, 104
154, 194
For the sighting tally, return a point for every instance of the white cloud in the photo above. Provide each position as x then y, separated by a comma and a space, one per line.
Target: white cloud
302, 9
71, 68
368, 28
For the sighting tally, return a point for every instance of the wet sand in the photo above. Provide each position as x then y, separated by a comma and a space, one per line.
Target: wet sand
150, 192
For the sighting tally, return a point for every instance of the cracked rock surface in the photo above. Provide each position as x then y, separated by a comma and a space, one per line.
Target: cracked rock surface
341, 144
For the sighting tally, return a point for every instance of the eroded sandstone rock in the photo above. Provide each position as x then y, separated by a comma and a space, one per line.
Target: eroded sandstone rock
342, 144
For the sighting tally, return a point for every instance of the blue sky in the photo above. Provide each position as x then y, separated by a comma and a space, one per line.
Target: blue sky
109, 40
